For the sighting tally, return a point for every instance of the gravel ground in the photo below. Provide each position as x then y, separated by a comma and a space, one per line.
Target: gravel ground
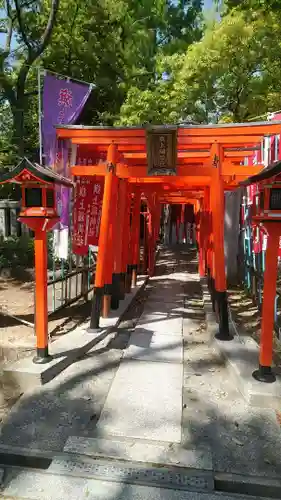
243, 439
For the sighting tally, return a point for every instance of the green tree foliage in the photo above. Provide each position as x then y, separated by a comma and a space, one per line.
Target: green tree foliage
111, 43
253, 5
15, 67
149, 60
231, 74
115, 43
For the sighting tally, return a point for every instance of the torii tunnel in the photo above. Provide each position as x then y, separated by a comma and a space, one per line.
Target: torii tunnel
204, 161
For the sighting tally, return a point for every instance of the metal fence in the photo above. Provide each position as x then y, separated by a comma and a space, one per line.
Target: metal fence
68, 279
251, 266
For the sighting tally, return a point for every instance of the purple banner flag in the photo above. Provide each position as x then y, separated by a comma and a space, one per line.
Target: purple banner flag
63, 101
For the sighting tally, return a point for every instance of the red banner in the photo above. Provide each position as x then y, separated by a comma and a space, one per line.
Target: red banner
252, 190
86, 213
88, 155
95, 210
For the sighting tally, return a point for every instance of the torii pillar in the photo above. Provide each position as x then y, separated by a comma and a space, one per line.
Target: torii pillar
217, 207
104, 252
118, 278
135, 236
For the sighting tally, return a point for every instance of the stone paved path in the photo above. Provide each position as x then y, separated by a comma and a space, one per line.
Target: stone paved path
145, 398
156, 393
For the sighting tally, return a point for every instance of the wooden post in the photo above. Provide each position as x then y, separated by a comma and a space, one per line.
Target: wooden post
108, 269
265, 373
201, 238
103, 240
135, 246
149, 241
118, 284
158, 219
210, 249
152, 231
41, 298
217, 200
157, 215
204, 232
145, 244
126, 242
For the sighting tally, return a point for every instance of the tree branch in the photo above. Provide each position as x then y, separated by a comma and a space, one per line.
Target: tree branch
35, 53
9, 38
49, 28
8, 89
21, 26
71, 31
9, 30
28, 3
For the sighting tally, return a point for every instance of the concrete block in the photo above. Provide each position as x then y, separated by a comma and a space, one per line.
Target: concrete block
115, 316
242, 357
25, 375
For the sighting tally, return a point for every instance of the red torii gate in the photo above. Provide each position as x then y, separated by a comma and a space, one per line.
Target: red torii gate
208, 160
205, 162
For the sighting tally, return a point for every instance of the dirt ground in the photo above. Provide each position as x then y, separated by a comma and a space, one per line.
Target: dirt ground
17, 299
17, 340
247, 317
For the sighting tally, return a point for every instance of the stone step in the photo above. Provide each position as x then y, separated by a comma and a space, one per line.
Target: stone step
133, 473
141, 451
72, 476
115, 484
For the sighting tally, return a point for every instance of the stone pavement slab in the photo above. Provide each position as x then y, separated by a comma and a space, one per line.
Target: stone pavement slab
167, 296
156, 347
144, 401
166, 325
140, 451
32, 485
164, 307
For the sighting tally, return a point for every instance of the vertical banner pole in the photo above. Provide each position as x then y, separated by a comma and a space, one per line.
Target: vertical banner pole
40, 116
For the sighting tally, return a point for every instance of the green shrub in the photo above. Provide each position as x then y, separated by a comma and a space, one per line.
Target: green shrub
15, 251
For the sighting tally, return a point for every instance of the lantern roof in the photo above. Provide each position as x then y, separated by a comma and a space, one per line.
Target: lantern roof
271, 170
33, 172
